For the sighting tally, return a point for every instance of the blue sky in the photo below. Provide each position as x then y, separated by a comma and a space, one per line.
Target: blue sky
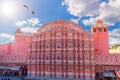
83, 12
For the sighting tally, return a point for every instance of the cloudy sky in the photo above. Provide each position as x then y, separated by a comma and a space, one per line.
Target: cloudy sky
83, 12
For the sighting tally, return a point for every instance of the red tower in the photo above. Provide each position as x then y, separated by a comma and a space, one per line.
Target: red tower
100, 34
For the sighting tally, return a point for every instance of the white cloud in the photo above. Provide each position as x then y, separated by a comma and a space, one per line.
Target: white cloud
114, 36
7, 36
91, 21
29, 22
82, 7
21, 23
62, 3
108, 12
33, 21
75, 20
29, 30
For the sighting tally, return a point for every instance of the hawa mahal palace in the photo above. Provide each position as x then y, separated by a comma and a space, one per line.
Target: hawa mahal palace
61, 50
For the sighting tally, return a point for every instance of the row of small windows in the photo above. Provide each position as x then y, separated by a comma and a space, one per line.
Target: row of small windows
12, 58
58, 57
60, 35
60, 27
69, 69
85, 44
20, 38
100, 30
63, 46
102, 59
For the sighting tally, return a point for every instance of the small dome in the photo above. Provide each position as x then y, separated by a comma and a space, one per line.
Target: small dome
99, 21
18, 31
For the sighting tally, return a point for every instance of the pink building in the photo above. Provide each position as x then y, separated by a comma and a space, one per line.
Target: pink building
62, 50
106, 64
5, 48
14, 55
100, 33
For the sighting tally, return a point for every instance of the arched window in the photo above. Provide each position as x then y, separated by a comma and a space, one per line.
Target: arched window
94, 30
105, 30
58, 45
116, 60
47, 57
58, 58
58, 35
106, 59
47, 46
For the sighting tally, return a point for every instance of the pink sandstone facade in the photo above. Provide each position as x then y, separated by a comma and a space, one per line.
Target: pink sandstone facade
15, 53
62, 50
100, 33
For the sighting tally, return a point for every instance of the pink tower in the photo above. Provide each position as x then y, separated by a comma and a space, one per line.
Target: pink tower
21, 43
100, 34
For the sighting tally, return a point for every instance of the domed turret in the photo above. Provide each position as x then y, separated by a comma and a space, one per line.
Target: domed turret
18, 32
99, 21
